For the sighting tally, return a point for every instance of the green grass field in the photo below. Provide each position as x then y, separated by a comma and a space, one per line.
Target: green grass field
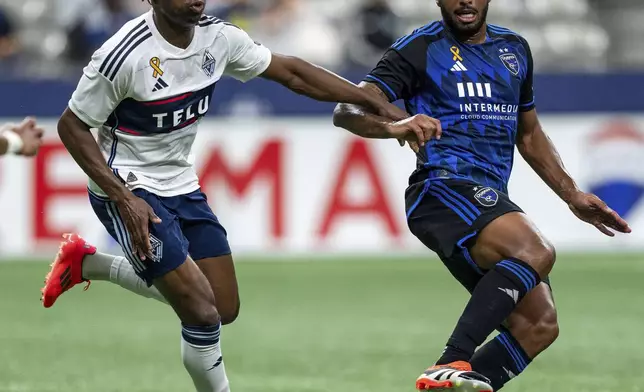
337, 325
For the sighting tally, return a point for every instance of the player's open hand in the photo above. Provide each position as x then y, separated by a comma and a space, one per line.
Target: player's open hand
31, 135
137, 215
591, 209
418, 129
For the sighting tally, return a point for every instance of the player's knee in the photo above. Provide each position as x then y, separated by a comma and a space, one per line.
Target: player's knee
546, 256
207, 314
541, 257
201, 312
230, 312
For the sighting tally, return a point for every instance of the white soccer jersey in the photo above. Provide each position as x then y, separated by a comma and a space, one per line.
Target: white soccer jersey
147, 97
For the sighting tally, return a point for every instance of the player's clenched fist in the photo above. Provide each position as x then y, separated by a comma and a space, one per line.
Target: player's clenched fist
137, 215
418, 129
24, 138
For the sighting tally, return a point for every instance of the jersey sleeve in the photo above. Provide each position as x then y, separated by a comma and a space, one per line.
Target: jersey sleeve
96, 96
247, 59
526, 101
399, 72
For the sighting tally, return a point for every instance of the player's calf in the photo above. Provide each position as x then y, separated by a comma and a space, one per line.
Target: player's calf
534, 322
493, 300
530, 329
190, 295
517, 257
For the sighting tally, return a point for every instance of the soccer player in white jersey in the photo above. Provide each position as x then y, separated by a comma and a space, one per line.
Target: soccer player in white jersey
146, 90
21, 139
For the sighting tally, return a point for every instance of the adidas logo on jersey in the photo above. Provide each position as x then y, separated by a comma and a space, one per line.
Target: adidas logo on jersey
161, 84
458, 67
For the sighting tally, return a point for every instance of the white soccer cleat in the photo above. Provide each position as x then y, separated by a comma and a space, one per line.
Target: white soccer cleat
456, 376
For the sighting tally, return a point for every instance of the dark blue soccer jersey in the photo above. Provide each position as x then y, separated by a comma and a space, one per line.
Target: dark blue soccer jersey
475, 90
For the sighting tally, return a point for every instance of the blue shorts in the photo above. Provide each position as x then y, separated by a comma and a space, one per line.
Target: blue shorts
188, 227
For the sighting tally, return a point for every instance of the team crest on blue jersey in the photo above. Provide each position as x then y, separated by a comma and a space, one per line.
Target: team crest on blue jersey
209, 63
511, 62
487, 197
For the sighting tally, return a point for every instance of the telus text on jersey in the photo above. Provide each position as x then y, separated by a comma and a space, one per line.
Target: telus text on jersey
181, 116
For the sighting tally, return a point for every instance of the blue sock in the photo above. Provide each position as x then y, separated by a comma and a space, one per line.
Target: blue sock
500, 360
493, 300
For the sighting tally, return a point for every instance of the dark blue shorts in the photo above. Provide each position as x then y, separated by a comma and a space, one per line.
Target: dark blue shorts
446, 215
188, 227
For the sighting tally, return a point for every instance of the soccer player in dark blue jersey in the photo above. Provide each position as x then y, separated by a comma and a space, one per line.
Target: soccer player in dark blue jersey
477, 80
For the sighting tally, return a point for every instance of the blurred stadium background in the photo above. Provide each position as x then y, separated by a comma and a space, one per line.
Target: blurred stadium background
290, 188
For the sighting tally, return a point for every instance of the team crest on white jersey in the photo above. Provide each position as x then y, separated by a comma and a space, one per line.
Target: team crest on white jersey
510, 61
156, 248
209, 63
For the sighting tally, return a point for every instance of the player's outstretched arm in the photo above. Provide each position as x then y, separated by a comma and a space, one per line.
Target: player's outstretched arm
361, 120
22, 139
320, 84
248, 59
417, 130
540, 153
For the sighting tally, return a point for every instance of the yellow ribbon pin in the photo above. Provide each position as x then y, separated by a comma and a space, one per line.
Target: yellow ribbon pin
155, 63
457, 53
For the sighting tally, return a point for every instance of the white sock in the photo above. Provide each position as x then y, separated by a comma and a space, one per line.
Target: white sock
97, 266
116, 269
201, 354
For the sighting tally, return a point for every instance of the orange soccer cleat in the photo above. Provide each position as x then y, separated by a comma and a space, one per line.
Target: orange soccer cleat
66, 270
456, 376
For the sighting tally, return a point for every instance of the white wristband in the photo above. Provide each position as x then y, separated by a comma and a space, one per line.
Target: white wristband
14, 142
